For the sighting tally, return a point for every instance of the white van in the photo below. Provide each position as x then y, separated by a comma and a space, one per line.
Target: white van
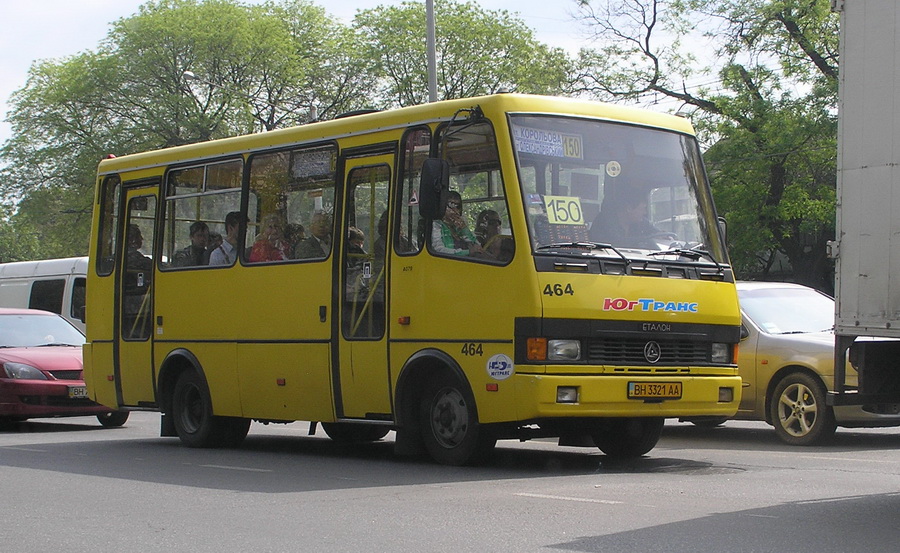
55, 285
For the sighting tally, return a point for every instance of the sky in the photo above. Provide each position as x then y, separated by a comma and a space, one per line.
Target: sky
33, 30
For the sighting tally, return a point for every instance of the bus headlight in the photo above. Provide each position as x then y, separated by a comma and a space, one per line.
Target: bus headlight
564, 350
721, 353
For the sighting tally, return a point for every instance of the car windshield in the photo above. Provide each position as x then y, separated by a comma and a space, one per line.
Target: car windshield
788, 310
25, 330
638, 189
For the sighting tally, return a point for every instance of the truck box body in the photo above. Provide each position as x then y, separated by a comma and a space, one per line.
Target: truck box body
867, 246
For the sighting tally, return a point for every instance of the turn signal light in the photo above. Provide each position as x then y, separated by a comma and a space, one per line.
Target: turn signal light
536, 349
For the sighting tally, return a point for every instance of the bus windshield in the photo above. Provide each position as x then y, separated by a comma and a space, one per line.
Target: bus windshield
637, 189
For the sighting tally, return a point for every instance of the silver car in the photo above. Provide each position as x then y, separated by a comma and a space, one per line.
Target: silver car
786, 361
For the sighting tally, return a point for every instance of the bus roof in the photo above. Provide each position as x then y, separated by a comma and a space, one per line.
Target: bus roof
392, 119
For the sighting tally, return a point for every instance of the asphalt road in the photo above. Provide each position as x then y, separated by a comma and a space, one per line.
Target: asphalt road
70, 485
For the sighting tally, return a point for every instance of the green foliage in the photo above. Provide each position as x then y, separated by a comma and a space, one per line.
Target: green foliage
478, 52
769, 117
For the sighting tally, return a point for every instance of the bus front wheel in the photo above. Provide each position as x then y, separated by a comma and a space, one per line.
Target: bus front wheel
628, 437
194, 421
449, 424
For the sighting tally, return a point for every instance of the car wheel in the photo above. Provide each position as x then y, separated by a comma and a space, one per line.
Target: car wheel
798, 410
194, 422
355, 433
449, 424
628, 437
113, 418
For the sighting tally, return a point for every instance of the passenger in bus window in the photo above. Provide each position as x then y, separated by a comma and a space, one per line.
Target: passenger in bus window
624, 220
137, 265
380, 246
195, 253
270, 245
215, 240
487, 230
318, 245
450, 235
294, 233
226, 252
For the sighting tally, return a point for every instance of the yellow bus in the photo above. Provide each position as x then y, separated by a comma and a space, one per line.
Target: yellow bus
500, 267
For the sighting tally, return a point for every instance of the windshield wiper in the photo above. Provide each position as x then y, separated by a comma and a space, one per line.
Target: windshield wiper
692, 253
585, 246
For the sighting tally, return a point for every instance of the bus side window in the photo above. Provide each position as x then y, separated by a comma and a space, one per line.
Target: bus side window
106, 237
476, 223
197, 202
291, 202
409, 235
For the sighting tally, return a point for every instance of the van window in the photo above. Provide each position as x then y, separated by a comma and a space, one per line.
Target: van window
78, 299
47, 295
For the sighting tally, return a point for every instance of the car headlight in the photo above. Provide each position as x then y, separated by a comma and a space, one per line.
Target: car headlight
564, 350
21, 371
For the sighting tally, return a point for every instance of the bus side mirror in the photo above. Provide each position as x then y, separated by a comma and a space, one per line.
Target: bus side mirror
434, 181
723, 230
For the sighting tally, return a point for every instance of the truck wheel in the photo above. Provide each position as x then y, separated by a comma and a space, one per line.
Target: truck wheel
355, 433
449, 424
113, 418
194, 422
628, 437
798, 411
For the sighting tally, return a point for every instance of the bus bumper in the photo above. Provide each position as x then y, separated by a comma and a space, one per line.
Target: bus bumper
550, 396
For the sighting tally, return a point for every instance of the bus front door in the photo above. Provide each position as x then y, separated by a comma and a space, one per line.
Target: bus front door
134, 300
362, 382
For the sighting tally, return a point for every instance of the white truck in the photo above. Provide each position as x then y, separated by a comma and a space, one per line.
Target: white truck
866, 248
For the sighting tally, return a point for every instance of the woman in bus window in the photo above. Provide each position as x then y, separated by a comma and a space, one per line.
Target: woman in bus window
270, 245
450, 235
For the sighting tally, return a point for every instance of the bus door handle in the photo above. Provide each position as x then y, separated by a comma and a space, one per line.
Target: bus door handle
323, 312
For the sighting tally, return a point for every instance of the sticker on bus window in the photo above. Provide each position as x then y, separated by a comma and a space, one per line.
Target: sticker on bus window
613, 168
500, 367
547, 143
564, 210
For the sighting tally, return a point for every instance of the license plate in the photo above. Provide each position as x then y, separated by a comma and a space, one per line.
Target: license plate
78, 391
654, 390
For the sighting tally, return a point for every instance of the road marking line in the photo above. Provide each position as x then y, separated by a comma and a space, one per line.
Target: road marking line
26, 449
226, 467
563, 498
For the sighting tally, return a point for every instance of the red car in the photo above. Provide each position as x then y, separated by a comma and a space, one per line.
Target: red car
41, 369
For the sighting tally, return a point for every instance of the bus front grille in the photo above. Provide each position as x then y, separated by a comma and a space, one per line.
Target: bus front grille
630, 351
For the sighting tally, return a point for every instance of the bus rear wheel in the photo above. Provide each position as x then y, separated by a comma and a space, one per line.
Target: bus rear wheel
628, 437
194, 421
449, 424
355, 433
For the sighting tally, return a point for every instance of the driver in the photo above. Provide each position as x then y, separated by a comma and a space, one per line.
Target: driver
624, 220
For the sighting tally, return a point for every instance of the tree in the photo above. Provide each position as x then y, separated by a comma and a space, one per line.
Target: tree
259, 68
478, 52
769, 115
